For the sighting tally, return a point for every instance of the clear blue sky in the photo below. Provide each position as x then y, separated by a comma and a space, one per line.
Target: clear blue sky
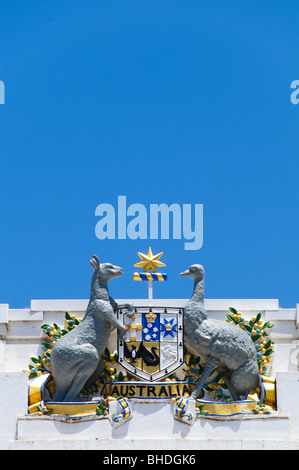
164, 102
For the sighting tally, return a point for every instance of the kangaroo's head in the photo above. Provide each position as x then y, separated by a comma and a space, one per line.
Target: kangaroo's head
103, 272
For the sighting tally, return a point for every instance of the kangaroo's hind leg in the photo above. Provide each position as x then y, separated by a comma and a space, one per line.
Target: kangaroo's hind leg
83, 367
63, 388
80, 380
76, 387
63, 383
96, 374
60, 393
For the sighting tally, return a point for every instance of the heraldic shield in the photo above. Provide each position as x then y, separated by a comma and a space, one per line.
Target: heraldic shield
153, 344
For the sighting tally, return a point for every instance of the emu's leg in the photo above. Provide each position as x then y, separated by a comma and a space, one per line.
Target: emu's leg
231, 388
209, 368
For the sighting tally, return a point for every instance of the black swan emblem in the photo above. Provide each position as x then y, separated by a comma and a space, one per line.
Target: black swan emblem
150, 358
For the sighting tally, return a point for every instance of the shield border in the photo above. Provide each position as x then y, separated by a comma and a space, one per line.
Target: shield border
162, 373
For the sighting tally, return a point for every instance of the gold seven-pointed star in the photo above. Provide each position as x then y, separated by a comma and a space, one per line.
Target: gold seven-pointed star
149, 261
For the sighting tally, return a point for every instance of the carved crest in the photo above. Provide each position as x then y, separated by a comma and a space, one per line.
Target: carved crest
153, 345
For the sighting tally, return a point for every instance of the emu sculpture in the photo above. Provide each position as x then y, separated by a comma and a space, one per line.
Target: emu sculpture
76, 358
225, 347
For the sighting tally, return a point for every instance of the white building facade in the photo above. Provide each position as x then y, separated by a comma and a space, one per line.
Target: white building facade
152, 426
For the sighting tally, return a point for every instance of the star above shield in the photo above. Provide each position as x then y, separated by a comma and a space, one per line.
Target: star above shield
149, 261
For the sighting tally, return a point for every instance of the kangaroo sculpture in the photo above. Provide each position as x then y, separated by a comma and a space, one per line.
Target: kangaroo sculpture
225, 347
76, 358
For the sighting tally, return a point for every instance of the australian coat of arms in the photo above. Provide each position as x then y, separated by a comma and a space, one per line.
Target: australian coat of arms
153, 346
205, 368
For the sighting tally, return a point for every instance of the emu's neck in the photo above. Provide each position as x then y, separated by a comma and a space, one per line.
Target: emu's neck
99, 288
198, 291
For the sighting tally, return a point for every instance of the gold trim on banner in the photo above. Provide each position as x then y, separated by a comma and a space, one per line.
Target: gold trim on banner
73, 409
150, 391
228, 409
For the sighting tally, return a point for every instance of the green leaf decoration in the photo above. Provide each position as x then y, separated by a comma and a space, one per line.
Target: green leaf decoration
256, 337
268, 352
258, 317
191, 360
233, 310
230, 318
219, 376
268, 344
35, 360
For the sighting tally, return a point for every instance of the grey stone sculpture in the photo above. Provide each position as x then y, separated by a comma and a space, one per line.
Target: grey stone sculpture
76, 358
225, 347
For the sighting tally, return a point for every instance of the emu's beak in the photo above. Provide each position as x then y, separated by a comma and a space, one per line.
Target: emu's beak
185, 273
